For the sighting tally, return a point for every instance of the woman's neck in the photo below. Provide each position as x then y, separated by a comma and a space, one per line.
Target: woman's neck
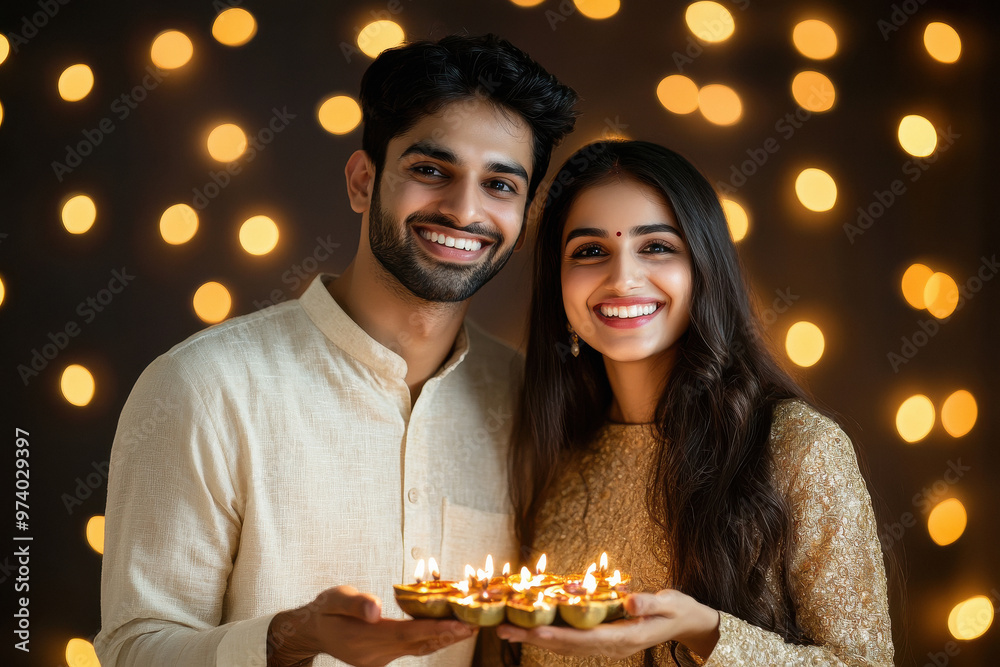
636, 387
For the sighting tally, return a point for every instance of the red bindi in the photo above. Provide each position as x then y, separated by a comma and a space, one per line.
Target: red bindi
618, 233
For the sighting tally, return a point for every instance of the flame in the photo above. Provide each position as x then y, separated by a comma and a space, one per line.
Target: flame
489, 566
590, 583
538, 600
525, 575
540, 567
463, 586
433, 567
604, 562
592, 568
615, 578
418, 573
469, 572
480, 575
506, 569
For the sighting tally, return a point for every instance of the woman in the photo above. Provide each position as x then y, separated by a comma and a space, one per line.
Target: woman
655, 425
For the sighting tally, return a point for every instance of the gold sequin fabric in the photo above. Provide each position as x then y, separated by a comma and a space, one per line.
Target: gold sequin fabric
838, 576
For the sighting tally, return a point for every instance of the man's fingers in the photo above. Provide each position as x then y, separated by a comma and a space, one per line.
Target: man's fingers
347, 601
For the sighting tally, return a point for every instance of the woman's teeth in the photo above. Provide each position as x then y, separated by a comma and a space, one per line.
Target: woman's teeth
452, 242
624, 312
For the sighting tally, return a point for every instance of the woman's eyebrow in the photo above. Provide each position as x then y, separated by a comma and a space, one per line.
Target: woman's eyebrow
639, 230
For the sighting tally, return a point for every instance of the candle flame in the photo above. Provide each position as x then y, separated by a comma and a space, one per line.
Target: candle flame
418, 573
433, 567
463, 586
592, 568
604, 562
525, 575
590, 583
469, 572
540, 567
506, 569
615, 578
489, 566
538, 600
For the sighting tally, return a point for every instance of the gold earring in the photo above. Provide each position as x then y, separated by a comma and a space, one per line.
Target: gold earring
574, 341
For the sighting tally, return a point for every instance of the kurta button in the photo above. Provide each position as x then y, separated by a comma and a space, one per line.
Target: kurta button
413, 495
415, 552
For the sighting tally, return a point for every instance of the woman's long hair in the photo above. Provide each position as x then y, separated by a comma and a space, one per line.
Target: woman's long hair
726, 526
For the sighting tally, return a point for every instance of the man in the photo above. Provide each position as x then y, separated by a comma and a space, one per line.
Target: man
320, 447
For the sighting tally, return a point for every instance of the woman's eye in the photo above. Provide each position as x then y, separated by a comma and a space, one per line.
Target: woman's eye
658, 247
588, 252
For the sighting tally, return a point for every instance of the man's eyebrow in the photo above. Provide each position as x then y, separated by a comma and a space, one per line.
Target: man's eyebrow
512, 168
639, 230
438, 152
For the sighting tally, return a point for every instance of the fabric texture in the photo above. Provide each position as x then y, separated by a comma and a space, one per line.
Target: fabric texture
276, 455
839, 585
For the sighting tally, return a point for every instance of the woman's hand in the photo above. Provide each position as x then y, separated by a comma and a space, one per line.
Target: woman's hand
665, 616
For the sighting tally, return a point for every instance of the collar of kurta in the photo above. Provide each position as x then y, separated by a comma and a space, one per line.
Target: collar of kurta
342, 331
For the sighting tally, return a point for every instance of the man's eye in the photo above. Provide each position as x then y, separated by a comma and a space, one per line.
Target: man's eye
500, 186
425, 170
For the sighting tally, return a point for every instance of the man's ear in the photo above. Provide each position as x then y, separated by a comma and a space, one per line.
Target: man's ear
360, 174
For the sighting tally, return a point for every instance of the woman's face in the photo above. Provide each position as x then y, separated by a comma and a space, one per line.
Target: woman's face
626, 272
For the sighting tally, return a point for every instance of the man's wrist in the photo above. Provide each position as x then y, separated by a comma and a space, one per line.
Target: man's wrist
288, 642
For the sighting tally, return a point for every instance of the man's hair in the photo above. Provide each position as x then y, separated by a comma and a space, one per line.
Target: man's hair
406, 83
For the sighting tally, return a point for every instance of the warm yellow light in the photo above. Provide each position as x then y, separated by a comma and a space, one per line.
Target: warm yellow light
212, 302
942, 42
959, 413
78, 214
226, 142
720, 104
678, 94
1, 114
813, 91
941, 295
4, 48
259, 235
804, 343
378, 36
234, 27
815, 39
81, 653
946, 522
598, 9
75, 82
339, 114
737, 218
171, 49
77, 385
527, 3
914, 281
3, 291
915, 418
917, 136
816, 189
178, 224
95, 533
709, 21
971, 618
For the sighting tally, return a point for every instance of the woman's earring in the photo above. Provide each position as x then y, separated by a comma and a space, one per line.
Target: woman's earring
574, 341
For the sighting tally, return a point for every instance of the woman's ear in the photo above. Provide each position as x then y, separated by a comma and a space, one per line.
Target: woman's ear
360, 174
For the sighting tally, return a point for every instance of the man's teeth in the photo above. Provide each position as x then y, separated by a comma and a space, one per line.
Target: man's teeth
452, 242
625, 312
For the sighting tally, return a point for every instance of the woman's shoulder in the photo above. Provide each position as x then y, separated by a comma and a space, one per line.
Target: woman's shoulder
805, 443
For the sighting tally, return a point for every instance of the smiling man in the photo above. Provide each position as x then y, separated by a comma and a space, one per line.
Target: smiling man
321, 447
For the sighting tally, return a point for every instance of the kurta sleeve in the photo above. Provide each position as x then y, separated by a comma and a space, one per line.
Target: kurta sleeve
173, 522
838, 576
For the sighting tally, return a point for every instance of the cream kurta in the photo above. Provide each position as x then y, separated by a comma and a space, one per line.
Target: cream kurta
839, 587
275, 455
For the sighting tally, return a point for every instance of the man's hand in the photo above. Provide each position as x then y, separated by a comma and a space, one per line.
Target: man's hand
348, 625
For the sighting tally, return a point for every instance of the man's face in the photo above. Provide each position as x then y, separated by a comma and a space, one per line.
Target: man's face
448, 207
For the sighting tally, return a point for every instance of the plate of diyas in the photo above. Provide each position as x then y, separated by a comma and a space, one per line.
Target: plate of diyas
524, 599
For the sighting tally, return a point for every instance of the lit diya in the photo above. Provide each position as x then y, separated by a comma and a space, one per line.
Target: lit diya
478, 600
425, 599
578, 604
527, 611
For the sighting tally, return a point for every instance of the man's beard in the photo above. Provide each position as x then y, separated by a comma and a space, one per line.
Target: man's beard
427, 279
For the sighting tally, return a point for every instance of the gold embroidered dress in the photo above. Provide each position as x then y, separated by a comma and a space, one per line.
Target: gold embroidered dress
838, 578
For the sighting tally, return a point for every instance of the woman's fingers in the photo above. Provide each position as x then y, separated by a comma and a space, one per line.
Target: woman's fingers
617, 640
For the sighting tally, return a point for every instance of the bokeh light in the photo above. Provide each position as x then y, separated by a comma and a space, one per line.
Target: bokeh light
171, 49
178, 224
95, 533
212, 302
813, 91
678, 94
77, 385
1, 114
942, 42
917, 136
226, 142
75, 82
79, 214
234, 27
941, 295
737, 218
598, 9
816, 189
709, 21
914, 281
947, 521
259, 235
81, 653
815, 39
720, 104
339, 114
527, 3
3, 291
915, 418
4, 48
959, 413
378, 36
971, 618
804, 343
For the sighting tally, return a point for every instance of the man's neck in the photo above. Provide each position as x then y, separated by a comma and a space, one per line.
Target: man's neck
421, 332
